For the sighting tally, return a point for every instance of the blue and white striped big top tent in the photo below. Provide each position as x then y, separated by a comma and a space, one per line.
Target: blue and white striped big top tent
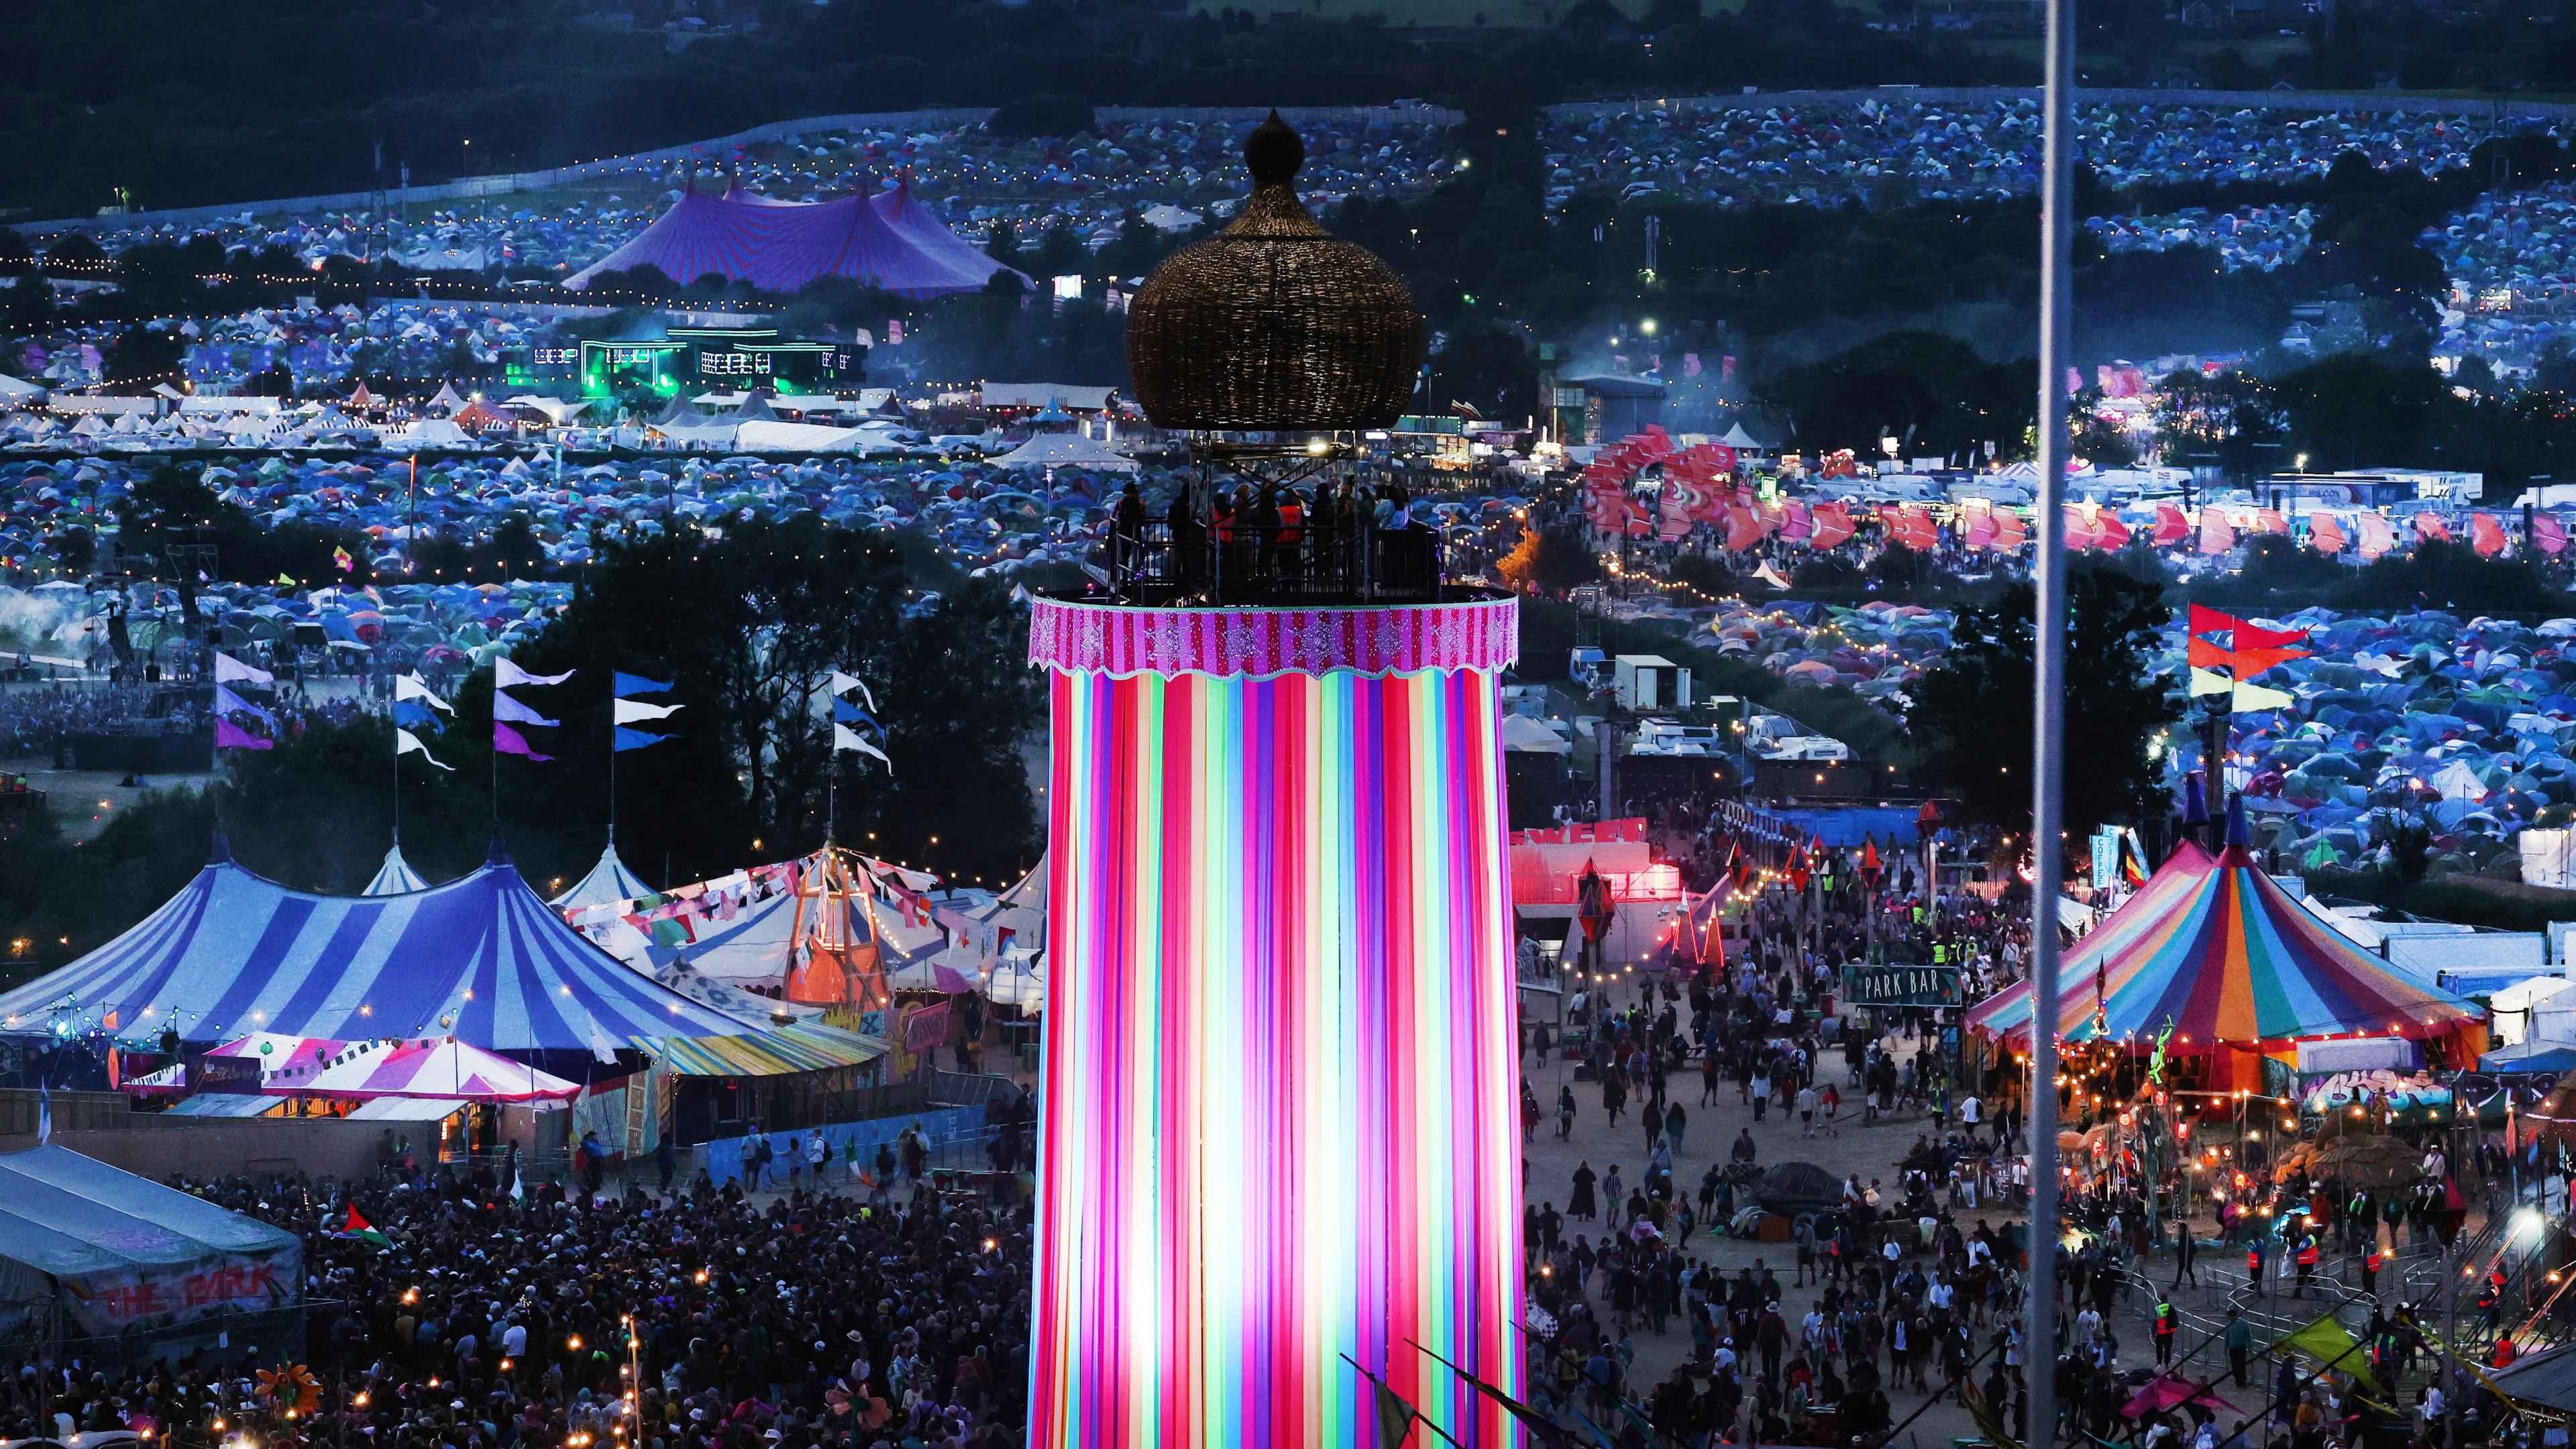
479, 959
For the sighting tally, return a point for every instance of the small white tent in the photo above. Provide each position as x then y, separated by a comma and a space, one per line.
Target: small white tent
395, 877
609, 881
1065, 450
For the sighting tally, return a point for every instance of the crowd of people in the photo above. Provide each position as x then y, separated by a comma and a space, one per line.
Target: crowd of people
40, 721
1902, 1297
890, 1314
971, 175
1824, 152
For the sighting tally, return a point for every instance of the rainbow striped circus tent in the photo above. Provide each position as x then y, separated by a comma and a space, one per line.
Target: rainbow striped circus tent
780, 246
480, 959
822, 929
2213, 948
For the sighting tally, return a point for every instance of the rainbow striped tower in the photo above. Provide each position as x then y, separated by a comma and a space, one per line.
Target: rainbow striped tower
1279, 1122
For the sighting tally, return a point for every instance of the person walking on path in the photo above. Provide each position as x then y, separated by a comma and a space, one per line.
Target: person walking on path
2186, 1256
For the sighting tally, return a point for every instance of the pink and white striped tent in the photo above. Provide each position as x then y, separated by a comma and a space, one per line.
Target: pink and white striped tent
442, 1068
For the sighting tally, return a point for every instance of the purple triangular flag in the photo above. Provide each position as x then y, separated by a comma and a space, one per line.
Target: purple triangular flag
508, 741
230, 736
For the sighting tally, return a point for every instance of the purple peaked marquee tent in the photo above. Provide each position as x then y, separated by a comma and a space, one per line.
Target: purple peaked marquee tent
480, 959
779, 246
918, 225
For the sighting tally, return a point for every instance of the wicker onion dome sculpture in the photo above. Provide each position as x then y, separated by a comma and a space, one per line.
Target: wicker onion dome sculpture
1273, 325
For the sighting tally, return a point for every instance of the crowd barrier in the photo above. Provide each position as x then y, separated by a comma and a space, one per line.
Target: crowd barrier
948, 1131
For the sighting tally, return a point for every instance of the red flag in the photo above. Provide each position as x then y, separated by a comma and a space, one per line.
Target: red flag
2207, 623
2486, 535
2255, 636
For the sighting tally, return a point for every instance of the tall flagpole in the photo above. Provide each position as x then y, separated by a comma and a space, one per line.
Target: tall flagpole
2048, 853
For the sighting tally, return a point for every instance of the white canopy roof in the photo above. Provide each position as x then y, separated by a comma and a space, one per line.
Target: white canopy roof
395, 877
1065, 450
608, 881
1528, 736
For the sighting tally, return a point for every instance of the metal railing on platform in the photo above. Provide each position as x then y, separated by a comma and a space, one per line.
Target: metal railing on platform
1285, 564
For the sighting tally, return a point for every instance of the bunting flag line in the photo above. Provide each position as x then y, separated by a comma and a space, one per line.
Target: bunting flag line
626, 684
506, 674
636, 711
411, 687
229, 670
506, 708
634, 740
407, 743
507, 741
845, 738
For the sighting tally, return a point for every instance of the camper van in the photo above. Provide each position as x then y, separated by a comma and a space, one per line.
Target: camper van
1665, 737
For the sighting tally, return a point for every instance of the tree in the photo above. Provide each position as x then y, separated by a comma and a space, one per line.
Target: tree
143, 355
2234, 419
2353, 410
1487, 368
1042, 116
1971, 717
1550, 561
1931, 392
